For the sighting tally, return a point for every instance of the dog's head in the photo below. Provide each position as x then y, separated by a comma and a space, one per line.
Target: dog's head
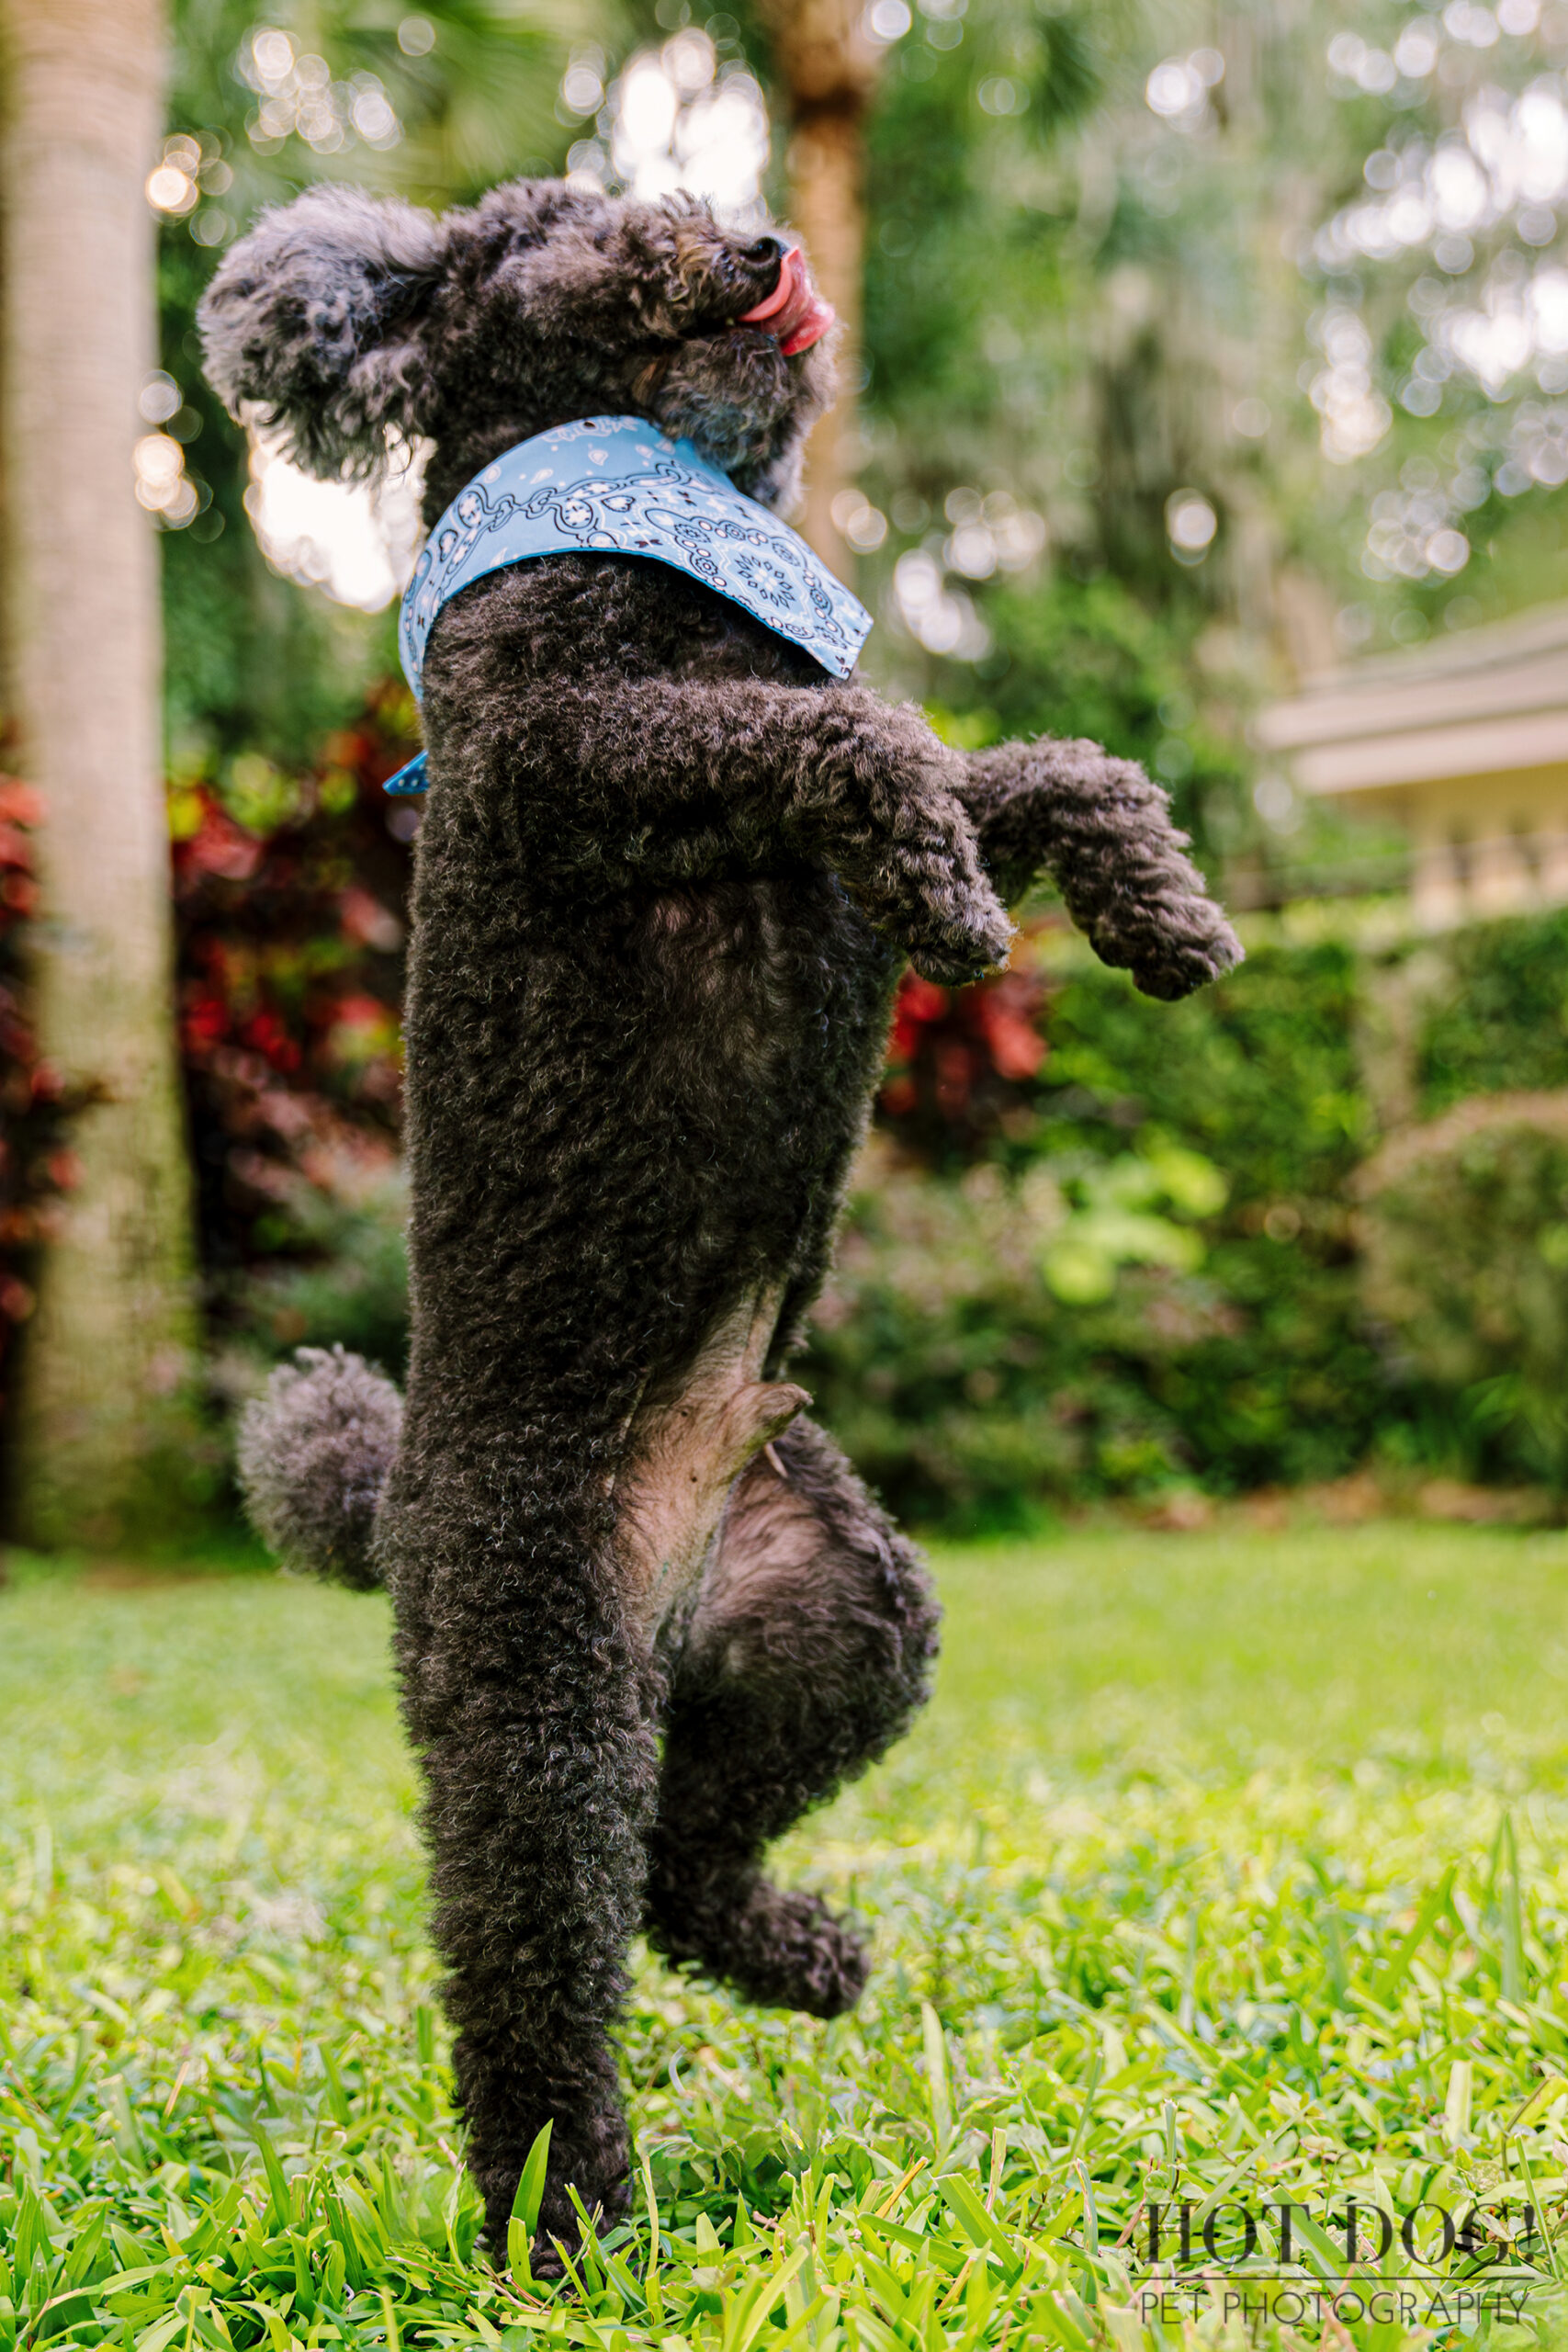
339, 317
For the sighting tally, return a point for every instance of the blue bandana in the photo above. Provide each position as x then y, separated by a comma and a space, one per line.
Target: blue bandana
617, 484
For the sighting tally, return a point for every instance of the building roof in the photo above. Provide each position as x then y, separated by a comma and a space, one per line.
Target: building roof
1483, 702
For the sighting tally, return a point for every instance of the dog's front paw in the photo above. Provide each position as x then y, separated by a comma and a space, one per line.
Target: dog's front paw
953, 951
1175, 949
944, 915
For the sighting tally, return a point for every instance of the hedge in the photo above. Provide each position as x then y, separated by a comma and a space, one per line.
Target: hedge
979, 1366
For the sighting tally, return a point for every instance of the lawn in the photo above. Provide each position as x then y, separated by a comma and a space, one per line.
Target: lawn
1227, 1868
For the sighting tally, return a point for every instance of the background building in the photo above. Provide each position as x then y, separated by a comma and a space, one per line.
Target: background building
1465, 743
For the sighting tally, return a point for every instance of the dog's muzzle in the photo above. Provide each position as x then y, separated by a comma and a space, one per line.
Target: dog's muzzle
794, 311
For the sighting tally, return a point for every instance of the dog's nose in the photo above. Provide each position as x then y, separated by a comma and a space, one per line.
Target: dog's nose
771, 253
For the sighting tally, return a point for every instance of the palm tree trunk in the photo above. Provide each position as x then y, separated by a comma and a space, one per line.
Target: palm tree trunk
829, 68
107, 1350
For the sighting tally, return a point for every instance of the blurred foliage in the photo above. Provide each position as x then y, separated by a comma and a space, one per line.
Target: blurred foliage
1143, 1276
1500, 1023
1442, 348
957, 1059
1465, 1249
1145, 1264
470, 85
344, 1279
35, 1163
1121, 260
289, 895
1054, 344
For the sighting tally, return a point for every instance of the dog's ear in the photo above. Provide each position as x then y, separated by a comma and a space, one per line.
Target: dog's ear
315, 320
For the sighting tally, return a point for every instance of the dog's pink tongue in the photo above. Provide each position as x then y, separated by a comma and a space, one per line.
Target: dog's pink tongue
794, 311
783, 292
818, 318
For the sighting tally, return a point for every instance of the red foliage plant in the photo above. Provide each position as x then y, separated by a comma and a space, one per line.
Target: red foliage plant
289, 899
34, 1163
960, 1060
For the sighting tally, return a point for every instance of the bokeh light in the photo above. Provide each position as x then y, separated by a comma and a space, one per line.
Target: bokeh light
677, 117
357, 543
300, 97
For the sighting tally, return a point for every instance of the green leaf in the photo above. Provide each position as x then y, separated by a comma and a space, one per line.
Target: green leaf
982, 2228
750, 2310
1323, 2256
1458, 2102
1535, 2107
164, 2332
530, 2193
937, 2090
1061, 2319
276, 2180
894, 2230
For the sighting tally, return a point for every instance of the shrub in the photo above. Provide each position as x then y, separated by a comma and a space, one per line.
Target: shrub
1189, 1307
968, 1388
35, 1162
346, 1277
1465, 1263
289, 899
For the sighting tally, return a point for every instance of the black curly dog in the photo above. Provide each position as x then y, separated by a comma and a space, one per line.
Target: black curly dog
646, 1612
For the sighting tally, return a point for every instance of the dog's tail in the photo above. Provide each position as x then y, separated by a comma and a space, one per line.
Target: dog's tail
313, 1455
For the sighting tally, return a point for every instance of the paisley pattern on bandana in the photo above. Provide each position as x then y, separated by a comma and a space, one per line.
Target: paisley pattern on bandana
618, 485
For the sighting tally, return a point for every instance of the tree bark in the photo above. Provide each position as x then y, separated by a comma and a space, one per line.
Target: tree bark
829, 67
108, 1348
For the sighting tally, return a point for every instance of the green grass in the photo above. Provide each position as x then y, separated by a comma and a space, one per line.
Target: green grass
1225, 1867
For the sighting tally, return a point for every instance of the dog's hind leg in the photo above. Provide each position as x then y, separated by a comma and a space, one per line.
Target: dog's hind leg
534, 1715
807, 1652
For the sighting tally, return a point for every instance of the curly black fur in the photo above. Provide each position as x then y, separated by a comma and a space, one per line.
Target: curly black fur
668, 875
809, 1650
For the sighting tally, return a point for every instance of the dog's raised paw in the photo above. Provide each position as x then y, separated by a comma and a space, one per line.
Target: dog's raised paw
794, 1954
1199, 947
957, 946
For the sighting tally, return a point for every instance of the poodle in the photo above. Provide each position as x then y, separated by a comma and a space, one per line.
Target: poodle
669, 870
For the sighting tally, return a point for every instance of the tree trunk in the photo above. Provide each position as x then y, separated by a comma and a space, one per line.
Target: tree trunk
107, 1351
829, 67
